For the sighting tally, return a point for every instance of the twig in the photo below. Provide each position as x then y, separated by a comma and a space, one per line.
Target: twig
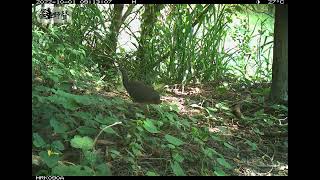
95, 140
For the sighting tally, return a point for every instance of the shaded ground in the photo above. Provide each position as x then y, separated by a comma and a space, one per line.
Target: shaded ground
271, 155
235, 122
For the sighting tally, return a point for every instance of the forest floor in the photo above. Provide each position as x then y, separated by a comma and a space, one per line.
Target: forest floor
200, 130
254, 134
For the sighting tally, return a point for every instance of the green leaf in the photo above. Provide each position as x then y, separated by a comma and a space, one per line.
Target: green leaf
177, 170
73, 72
151, 173
91, 157
50, 161
238, 8
224, 163
222, 106
85, 100
211, 152
57, 145
212, 109
253, 145
171, 146
256, 130
150, 127
85, 130
84, 143
38, 141
219, 172
103, 170
173, 140
115, 153
136, 151
99, 118
174, 107
178, 157
83, 115
63, 170
169, 116
57, 126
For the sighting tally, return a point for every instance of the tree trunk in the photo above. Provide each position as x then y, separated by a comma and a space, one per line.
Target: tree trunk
149, 18
115, 26
116, 22
279, 87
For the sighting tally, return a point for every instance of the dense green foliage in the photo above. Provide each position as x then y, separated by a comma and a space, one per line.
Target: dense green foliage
84, 125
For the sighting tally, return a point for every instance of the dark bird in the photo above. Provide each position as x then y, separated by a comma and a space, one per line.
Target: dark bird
138, 91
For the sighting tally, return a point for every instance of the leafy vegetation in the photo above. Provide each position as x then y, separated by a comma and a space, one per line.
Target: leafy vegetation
212, 65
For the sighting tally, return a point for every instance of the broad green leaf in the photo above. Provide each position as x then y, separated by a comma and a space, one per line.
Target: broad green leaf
173, 140
174, 107
253, 145
150, 127
178, 157
238, 8
151, 173
85, 130
222, 106
171, 146
219, 172
140, 128
84, 143
91, 157
38, 141
177, 170
85, 100
50, 161
72, 71
99, 118
212, 109
136, 151
224, 163
57, 145
103, 170
169, 116
115, 153
210, 152
57, 126
63, 170
83, 115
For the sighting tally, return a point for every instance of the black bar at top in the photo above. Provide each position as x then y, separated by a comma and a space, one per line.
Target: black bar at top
160, 1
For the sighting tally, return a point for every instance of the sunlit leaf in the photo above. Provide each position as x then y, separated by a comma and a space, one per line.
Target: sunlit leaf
84, 143
150, 127
177, 170
178, 157
219, 172
224, 163
151, 173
